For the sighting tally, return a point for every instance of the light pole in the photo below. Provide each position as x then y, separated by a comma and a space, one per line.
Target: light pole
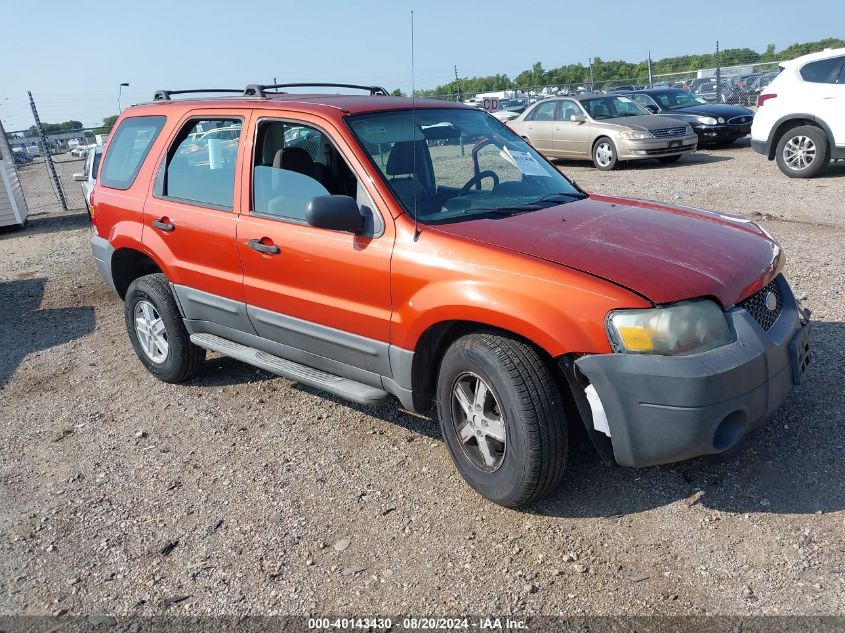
119, 90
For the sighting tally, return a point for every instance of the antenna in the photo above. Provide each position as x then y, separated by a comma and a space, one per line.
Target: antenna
414, 130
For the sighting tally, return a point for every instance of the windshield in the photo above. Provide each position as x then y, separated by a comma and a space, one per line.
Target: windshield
679, 99
449, 165
612, 107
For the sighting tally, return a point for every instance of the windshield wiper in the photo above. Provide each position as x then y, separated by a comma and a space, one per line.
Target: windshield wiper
507, 210
575, 195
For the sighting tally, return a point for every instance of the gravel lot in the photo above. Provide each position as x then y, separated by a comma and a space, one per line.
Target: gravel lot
280, 500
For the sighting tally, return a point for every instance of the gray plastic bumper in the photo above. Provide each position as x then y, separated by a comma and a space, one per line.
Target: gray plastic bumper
663, 409
102, 251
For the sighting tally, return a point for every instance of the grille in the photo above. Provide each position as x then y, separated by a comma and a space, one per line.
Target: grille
740, 120
669, 150
756, 305
669, 132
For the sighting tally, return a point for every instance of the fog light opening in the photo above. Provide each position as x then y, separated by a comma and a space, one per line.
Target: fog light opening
730, 430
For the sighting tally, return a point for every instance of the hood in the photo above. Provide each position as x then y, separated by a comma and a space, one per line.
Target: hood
712, 109
661, 252
642, 122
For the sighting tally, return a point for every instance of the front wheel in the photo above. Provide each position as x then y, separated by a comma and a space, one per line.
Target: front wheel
501, 418
803, 152
157, 332
604, 154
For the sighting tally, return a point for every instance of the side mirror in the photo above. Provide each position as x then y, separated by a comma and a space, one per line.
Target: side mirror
80, 176
652, 108
337, 213
577, 118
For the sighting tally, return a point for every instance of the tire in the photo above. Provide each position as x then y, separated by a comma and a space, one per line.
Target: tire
803, 152
669, 159
605, 156
531, 420
150, 300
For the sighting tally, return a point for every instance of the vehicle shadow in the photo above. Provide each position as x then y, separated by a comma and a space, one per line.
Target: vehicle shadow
25, 328
695, 158
42, 223
792, 465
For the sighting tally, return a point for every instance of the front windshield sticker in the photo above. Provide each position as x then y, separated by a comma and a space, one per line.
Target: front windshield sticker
525, 162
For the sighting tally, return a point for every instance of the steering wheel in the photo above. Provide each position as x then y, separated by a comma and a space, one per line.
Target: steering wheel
477, 179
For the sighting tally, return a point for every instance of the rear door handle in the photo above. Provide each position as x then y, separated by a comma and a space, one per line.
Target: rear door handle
269, 249
164, 225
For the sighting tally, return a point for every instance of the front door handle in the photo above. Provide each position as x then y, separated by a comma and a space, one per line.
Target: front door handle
164, 224
269, 249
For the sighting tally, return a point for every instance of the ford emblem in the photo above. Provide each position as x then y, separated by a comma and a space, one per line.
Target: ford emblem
771, 301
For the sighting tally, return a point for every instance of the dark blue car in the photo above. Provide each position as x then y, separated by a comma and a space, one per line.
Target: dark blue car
715, 123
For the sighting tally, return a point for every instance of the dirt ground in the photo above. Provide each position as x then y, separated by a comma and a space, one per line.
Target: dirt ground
244, 493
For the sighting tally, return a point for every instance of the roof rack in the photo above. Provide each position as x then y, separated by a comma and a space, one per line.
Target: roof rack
164, 95
258, 90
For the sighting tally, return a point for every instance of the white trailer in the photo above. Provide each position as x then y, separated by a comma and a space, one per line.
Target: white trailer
13, 210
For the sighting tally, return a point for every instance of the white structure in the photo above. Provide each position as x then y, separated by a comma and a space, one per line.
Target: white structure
12, 204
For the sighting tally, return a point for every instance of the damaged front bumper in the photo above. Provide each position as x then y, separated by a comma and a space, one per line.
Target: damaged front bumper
662, 409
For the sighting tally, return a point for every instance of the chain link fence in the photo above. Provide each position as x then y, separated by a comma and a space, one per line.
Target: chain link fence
68, 151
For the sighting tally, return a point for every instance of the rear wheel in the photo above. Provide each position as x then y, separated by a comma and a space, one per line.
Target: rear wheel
604, 154
803, 152
669, 159
501, 418
157, 332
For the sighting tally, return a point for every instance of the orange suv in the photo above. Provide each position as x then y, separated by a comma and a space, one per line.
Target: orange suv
372, 246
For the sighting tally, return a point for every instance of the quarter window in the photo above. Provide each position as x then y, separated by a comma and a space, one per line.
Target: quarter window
201, 163
128, 149
824, 71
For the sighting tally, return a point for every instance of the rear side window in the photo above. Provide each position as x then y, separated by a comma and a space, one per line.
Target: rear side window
543, 112
201, 163
128, 149
824, 71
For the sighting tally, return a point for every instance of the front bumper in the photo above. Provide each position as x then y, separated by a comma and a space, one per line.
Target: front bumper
717, 133
655, 147
663, 409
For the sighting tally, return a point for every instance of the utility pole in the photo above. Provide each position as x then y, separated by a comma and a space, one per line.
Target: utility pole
590, 61
650, 74
47, 156
718, 75
458, 84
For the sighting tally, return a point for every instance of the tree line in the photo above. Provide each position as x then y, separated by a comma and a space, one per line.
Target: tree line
602, 71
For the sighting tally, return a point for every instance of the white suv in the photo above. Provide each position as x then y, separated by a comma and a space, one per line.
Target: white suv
801, 117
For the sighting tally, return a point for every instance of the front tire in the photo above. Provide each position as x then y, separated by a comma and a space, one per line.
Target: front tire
803, 152
501, 418
605, 156
157, 332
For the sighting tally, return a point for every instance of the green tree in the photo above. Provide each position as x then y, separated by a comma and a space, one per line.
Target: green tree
108, 124
397, 93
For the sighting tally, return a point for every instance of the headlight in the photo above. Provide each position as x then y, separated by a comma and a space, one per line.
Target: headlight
689, 129
635, 134
707, 120
688, 327
720, 120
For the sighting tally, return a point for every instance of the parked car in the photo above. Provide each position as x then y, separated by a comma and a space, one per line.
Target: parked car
757, 84
88, 176
21, 157
476, 280
800, 121
605, 129
714, 123
710, 90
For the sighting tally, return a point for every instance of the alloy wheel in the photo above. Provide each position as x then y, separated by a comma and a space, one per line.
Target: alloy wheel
479, 423
151, 333
799, 153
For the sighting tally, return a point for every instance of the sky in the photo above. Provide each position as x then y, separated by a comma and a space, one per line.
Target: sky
73, 55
